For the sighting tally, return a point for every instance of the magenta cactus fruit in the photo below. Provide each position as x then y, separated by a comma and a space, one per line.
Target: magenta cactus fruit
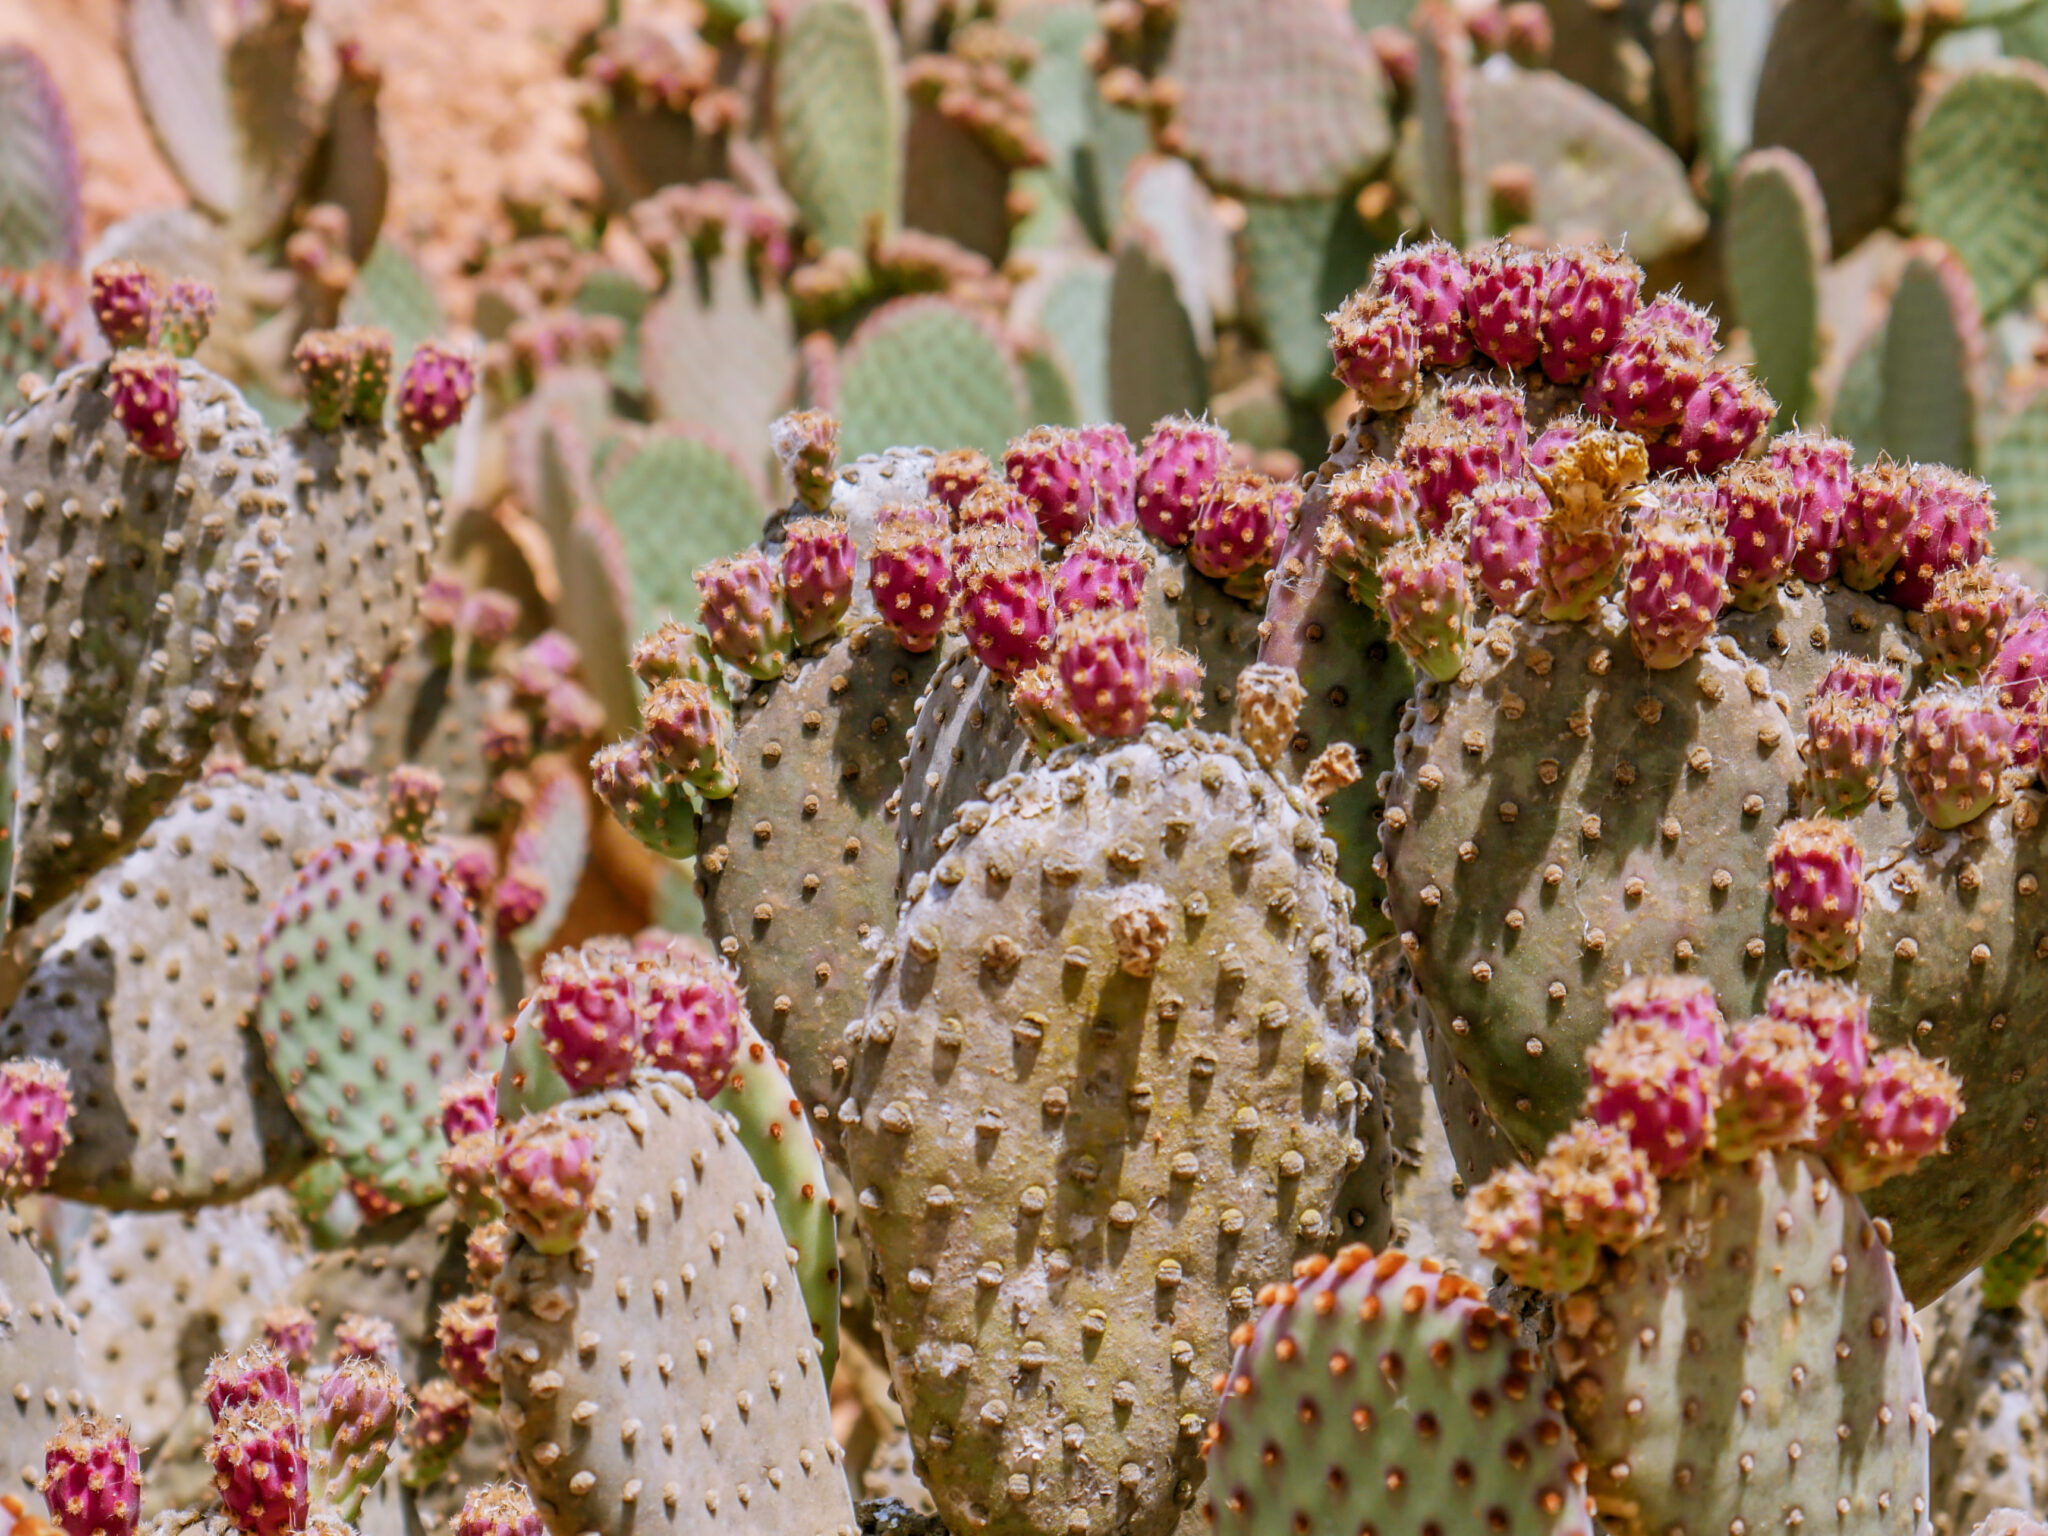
1835, 1019
1589, 294
1504, 304
1723, 419
589, 1016
292, 1332
469, 1107
1378, 353
1053, 469
695, 1010
1105, 663
806, 444
370, 349
1043, 709
364, 1336
259, 1372
1237, 532
92, 1479
124, 303
999, 508
1601, 1183
469, 1167
1447, 459
1180, 460
1501, 407
957, 474
434, 393
499, 1509
1113, 469
1820, 473
327, 378
412, 801
909, 575
1649, 1082
1965, 620
1005, 609
435, 1435
1504, 543
1817, 892
258, 1455
1762, 522
185, 319
145, 390
1517, 1228
674, 650
2016, 671
1861, 682
1431, 282
467, 1331
1103, 571
1426, 598
1848, 745
1903, 1112
818, 564
1769, 1090
1177, 680
1372, 508
1591, 478
1875, 516
1958, 743
36, 1108
1684, 1005
1676, 582
547, 1176
739, 606
1655, 366
1951, 528
485, 1249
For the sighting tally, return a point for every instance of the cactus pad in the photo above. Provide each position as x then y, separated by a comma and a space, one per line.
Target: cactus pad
721, 310
176, 63
40, 1373
839, 114
1931, 355
1776, 245
41, 223
373, 989
1977, 176
678, 502
927, 371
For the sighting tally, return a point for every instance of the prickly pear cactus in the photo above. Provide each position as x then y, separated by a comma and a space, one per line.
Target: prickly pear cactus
145, 993
372, 994
1984, 1371
39, 1358
155, 583
1104, 1091
662, 1372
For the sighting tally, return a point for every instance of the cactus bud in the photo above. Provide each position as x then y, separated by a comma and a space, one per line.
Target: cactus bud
633, 784
807, 444
1964, 621
740, 609
1504, 304
818, 563
92, 1479
497, 1510
145, 387
674, 651
1180, 460
589, 1017
1177, 680
1504, 548
364, 1336
1723, 418
1677, 580
354, 1422
909, 576
370, 352
1820, 473
292, 1333
124, 303
257, 1373
547, 1175
1105, 661
36, 1108
1769, 1090
433, 394
1649, 1081
1043, 709
1848, 745
412, 801
467, 1332
1902, 1117
1520, 1231
1427, 600
186, 318
1237, 532
1052, 469
1643, 384
1958, 744
1378, 353
1817, 892
1005, 609
694, 1012
1103, 571
1759, 510
1835, 1019
1685, 1005
1600, 1184
258, 1455
1269, 700
1589, 293
1113, 469
1951, 527
1430, 281
1372, 507
957, 474
436, 1433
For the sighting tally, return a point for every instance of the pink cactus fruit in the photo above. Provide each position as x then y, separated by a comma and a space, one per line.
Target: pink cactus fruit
434, 393
485, 1249
92, 1479
1589, 293
1685, 1005
818, 565
364, 1336
547, 1177
589, 1017
909, 576
1958, 743
957, 474
1504, 304
672, 650
741, 611
1817, 892
1600, 1183
1105, 663
1430, 281
469, 1107
1761, 516
1103, 570
1526, 1235
1821, 474
806, 444
258, 1456
1965, 620
1848, 746
1377, 351
1237, 532
412, 800
1676, 581
688, 729
695, 1014
1875, 516
499, 1509
185, 319
1951, 528
1426, 597
36, 1107
2017, 671
1643, 384
354, 1419
1180, 460
438, 1430
1723, 419
1053, 469
1447, 459
124, 303
1649, 1082
519, 898
1500, 408
1504, 542
1113, 468
1835, 1018
467, 1332
1177, 681
996, 509
1005, 609
1040, 699
469, 1168
1372, 507
1769, 1090
292, 1332
1902, 1117
145, 390
1861, 682
258, 1372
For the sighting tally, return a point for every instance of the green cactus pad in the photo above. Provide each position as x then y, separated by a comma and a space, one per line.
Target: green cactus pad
796, 868
596, 611
1730, 64
2016, 465
720, 312
145, 623
1073, 1177
41, 223
1752, 1359
1977, 175
1073, 315
1303, 256
366, 522
1774, 246
1434, 158
663, 1374
1932, 353
10, 736
175, 61
1381, 1394
1157, 363
678, 501
391, 291
38, 333
146, 989
1050, 387
1277, 98
926, 371
954, 184
277, 112
372, 995
838, 120
1984, 1373
42, 1380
